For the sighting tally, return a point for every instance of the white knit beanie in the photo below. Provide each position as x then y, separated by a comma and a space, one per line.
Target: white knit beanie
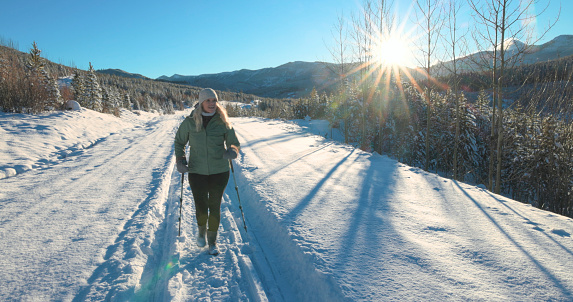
206, 94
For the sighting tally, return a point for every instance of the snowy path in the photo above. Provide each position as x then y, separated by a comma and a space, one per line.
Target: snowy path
56, 220
100, 224
195, 275
326, 222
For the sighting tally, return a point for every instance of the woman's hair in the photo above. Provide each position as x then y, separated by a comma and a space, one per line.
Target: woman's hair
197, 116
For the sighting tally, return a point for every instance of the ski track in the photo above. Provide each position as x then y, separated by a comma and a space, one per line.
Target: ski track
289, 270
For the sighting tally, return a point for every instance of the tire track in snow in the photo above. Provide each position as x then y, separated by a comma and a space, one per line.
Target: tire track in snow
74, 209
119, 276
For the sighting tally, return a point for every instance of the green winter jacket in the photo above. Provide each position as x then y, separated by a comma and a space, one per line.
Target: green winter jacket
206, 146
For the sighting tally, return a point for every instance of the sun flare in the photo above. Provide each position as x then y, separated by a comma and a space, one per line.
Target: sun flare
394, 51
390, 56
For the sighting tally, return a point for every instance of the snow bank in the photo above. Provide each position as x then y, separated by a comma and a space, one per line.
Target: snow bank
39, 141
73, 105
372, 229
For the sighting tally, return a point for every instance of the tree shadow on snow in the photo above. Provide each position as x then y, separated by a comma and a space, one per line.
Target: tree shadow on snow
558, 283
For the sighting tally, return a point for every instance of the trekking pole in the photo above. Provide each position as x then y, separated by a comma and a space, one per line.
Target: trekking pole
181, 201
237, 189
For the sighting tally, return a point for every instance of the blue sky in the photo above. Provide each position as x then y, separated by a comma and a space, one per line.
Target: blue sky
190, 37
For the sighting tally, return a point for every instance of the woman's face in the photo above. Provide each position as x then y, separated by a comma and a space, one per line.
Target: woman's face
209, 105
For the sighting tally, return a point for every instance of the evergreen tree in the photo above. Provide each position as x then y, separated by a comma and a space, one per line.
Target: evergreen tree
105, 101
46, 91
93, 91
127, 102
148, 104
553, 171
353, 120
136, 104
468, 152
314, 110
55, 99
483, 125
323, 106
300, 109
79, 89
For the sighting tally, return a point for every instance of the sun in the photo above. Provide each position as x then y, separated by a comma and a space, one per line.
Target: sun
390, 55
393, 51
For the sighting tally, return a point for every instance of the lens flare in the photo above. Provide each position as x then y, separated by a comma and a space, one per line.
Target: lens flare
390, 55
393, 51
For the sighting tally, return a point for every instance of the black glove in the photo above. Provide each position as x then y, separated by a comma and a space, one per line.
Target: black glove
182, 165
230, 154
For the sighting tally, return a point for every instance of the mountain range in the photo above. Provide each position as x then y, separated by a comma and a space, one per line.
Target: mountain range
297, 79
517, 53
290, 80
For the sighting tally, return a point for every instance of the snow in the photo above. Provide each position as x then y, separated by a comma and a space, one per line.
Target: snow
73, 105
89, 211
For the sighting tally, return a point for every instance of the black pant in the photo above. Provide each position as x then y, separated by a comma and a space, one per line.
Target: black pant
207, 194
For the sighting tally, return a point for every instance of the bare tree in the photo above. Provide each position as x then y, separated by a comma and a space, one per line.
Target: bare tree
364, 35
486, 60
339, 51
367, 31
455, 40
505, 23
429, 18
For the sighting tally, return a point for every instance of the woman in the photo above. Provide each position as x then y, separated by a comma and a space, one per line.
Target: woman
212, 143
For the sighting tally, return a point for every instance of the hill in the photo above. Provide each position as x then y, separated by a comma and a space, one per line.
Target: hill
127, 90
122, 73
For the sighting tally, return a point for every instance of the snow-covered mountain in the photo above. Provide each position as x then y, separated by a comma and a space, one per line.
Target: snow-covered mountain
518, 52
561, 46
